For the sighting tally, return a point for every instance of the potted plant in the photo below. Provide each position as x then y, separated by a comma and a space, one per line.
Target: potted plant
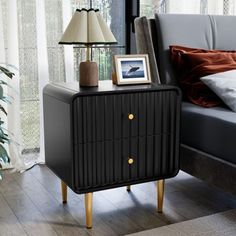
4, 138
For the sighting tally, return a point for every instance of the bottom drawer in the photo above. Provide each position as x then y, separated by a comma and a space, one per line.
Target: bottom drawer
101, 164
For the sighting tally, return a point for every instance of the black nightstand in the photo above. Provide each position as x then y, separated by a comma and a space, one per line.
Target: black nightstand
111, 136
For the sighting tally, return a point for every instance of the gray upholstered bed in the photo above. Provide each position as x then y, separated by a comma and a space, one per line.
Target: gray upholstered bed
208, 149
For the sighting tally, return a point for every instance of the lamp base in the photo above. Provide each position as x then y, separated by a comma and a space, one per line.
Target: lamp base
88, 74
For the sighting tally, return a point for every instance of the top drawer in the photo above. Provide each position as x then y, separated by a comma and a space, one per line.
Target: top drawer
117, 116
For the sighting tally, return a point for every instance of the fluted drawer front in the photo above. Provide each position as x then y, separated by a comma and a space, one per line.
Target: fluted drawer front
153, 156
99, 118
106, 117
106, 163
99, 163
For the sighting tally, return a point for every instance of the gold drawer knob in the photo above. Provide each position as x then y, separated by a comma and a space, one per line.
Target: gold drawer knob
131, 116
130, 161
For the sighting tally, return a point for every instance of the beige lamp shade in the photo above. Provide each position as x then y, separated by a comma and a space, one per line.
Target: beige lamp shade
87, 27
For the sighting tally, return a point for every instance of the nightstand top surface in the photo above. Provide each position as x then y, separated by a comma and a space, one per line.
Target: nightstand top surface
104, 86
68, 91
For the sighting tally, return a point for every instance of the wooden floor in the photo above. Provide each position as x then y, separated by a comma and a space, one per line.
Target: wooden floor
30, 204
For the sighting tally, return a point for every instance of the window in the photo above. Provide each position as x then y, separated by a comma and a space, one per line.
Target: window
150, 7
28, 70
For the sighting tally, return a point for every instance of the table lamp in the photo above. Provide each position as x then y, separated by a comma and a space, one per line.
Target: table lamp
87, 27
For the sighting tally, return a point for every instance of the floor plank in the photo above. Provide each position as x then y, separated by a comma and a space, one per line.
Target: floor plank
33, 222
30, 203
9, 224
54, 212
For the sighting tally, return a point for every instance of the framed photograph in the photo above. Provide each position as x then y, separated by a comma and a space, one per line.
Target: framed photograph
131, 69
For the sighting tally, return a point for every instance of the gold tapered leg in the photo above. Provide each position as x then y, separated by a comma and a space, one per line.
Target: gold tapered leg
89, 210
160, 193
128, 188
64, 192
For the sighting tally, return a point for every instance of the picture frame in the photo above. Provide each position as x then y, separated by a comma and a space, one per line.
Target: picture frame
131, 69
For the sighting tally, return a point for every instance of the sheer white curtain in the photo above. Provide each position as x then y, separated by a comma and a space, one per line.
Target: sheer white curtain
9, 40
24, 44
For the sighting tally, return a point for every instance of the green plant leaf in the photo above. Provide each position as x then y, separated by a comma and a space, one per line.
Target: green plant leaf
3, 109
8, 85
0, 171
6, 99
3, 154
1, 92
4, 139
3, 82
9, 65
7, 72
2, 132
4, 129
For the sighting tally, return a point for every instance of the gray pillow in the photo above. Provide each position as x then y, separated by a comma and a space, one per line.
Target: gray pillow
224, 86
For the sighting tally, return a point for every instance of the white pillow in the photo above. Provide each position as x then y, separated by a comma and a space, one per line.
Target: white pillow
224, 86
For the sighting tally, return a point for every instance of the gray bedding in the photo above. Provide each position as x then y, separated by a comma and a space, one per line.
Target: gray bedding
211, 130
